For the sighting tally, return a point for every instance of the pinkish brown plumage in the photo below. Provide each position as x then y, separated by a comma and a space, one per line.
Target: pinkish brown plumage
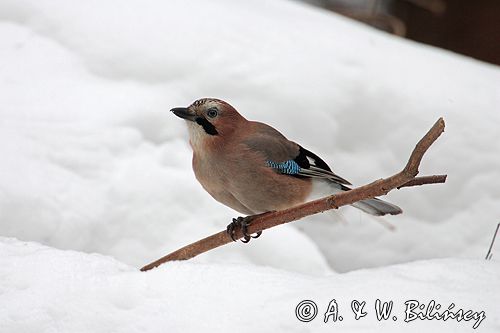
252, 168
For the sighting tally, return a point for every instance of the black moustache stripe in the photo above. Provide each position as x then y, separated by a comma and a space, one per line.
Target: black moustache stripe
207, 126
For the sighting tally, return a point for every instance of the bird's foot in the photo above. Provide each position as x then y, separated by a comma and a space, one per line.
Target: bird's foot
243, 223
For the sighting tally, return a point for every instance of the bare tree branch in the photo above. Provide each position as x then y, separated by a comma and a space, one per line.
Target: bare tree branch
405, 178
424, 181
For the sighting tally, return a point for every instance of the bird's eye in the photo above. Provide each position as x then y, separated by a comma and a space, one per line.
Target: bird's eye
212, 112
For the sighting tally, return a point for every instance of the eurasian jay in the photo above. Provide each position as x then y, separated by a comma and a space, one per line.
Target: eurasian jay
252, 168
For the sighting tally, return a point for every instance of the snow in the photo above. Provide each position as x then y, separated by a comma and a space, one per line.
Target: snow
93, 162
78, 292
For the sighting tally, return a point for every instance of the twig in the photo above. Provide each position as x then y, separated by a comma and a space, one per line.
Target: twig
272, 219
489, 254
424, 180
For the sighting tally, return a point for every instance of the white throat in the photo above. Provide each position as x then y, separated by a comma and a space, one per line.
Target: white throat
197, 135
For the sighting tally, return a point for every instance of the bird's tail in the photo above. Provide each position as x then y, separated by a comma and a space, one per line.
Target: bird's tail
377, 207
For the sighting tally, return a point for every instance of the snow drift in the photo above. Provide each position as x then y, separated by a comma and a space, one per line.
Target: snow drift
48, 290
92, 161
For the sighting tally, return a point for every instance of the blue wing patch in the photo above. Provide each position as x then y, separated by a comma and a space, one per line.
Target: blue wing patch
289, 167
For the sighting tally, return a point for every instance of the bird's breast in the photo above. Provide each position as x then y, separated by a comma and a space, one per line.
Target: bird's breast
215, 177
208, 171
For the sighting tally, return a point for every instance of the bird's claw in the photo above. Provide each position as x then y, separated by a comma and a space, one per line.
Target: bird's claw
243, 223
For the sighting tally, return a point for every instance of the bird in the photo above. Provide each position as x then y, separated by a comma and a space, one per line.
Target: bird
252, 168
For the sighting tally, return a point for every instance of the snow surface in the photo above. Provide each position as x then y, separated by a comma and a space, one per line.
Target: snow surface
78, 292
94, 162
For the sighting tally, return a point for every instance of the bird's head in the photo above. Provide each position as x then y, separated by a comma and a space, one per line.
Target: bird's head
209, 119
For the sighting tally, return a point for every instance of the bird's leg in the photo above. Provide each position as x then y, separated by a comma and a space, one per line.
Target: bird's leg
243, 223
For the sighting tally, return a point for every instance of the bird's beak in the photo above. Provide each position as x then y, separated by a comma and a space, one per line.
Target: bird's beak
184, 113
